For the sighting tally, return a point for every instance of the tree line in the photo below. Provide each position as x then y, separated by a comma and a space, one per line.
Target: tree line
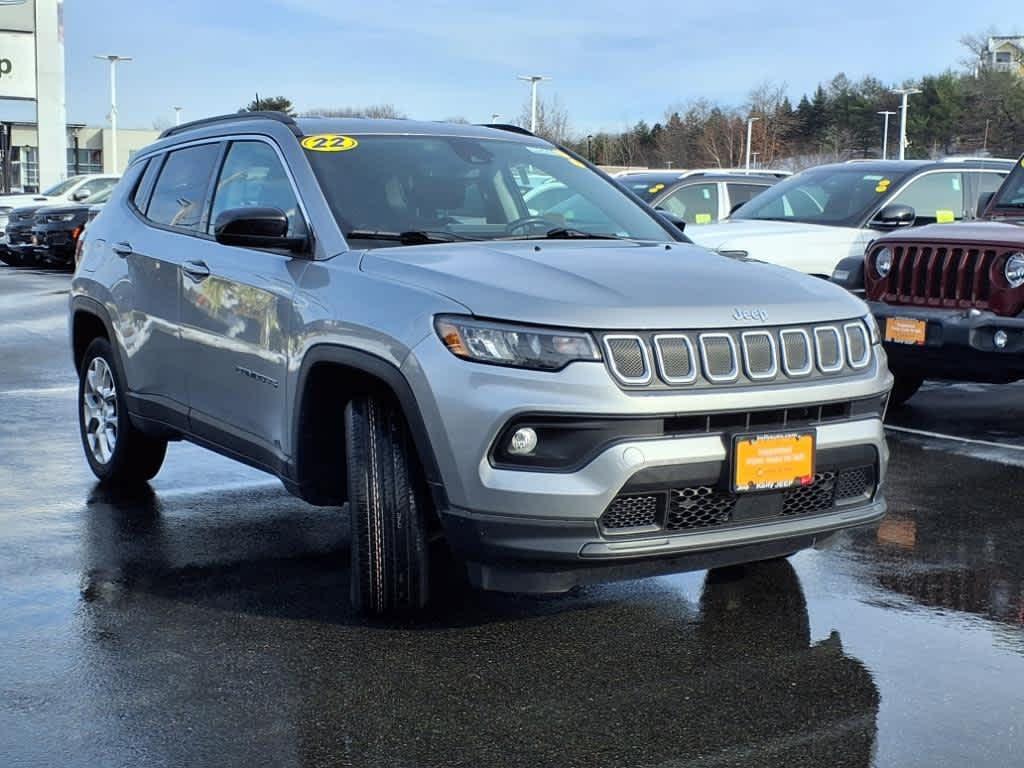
974, 110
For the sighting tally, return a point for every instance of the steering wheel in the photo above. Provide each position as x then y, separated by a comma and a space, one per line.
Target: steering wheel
528, 221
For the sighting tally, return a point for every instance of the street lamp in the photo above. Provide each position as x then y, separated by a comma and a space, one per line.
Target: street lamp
750, 131
113, 59
495, 116
885, 133
755, 159
177, 115
905, 93
590, 155
533, 80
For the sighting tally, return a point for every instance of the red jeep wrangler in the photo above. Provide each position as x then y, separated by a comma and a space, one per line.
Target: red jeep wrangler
949, 298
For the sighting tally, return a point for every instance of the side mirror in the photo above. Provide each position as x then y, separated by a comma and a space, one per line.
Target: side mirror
677, 221
895, 216
80, 195
256, 228
983, 202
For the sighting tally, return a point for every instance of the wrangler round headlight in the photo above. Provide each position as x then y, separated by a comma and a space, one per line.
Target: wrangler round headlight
1014, 269
883, 262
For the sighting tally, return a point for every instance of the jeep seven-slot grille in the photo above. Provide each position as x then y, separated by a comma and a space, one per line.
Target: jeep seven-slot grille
937, 275
698, 507
712, 358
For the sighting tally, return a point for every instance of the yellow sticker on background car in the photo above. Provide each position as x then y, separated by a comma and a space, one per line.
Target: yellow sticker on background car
655, 189
570, 158
944, 217
329, 142
703, 218
883, 186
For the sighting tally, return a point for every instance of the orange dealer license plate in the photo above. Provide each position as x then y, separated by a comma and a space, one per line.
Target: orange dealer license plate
905, 330
773, 461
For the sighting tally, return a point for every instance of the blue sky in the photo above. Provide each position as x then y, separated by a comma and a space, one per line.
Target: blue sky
613, 62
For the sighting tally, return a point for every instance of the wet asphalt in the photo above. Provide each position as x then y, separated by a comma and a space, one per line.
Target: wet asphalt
205, 622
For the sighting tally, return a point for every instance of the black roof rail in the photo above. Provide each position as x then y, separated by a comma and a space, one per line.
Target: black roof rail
279, 117
508, 127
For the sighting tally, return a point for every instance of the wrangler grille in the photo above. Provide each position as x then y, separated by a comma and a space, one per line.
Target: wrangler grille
937, 276
714, 358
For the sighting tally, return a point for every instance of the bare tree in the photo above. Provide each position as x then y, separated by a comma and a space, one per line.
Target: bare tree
552, 119
374, 111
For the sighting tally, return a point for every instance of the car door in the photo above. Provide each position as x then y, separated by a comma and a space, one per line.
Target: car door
983, 182
236, 312
154, 242
695, 203
935, 196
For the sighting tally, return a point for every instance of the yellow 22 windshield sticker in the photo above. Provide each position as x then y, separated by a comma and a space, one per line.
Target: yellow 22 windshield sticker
329, 142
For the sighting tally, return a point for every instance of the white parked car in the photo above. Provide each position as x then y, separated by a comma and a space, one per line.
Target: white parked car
815, 219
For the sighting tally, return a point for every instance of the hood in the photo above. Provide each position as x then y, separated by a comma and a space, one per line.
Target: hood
64, 208
19, 201
612, 284
27, 211
737, 234
979, 232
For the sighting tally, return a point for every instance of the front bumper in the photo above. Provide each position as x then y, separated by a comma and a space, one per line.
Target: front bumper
958, 344
547, 523
53, 245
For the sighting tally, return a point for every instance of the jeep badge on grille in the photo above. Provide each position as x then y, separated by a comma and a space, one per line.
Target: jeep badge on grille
750, 314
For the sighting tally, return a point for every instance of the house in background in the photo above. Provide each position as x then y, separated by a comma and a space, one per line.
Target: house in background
1006, 54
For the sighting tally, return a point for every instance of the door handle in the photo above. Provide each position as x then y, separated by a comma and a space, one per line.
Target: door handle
122, 249
196, 270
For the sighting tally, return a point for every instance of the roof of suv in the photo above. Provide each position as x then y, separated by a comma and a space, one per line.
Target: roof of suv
904, 166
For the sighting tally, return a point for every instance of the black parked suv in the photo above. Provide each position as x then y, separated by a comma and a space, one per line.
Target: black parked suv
57, 228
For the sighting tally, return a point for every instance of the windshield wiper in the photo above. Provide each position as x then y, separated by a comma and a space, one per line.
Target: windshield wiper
409, 237
565, 233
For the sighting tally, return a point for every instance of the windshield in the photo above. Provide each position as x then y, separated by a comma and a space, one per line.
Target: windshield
64, 186
648, 186
1011, 194
450, 187
840, 197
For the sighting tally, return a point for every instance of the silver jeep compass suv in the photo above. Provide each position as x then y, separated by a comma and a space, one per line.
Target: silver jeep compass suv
372, 311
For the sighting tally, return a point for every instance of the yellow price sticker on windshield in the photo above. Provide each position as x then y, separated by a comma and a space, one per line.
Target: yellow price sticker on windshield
571, 159
883, 186
329, 142
655, 189
944, 217
703, 218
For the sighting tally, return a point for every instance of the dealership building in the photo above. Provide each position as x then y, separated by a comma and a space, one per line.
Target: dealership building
89, 150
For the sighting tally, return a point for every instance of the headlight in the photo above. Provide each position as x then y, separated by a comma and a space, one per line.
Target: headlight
519, 346
873, 331
883, 262
1014, 269
61, 217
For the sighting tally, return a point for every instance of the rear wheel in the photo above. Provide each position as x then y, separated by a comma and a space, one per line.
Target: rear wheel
389, 509
117, 452
905, 387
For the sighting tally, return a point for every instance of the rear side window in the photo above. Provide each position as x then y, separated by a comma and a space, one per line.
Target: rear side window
695, 204
741, 193
935, 197
140, 197
179, 197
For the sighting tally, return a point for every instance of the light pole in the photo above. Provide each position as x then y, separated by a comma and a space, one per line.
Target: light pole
533, 80
177, 115
113, 59
590, 155
750, 132
755, 159
495, 116
905, 93
885, 133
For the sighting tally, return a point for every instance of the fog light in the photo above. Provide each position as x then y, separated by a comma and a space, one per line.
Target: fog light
999, 338
523, 442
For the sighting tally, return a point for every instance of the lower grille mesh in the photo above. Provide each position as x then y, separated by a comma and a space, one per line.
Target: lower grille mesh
699, 507
816, 497
632, 512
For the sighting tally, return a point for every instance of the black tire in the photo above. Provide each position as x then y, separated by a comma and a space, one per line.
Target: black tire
12, 258
134, 457
388, 507
904, 388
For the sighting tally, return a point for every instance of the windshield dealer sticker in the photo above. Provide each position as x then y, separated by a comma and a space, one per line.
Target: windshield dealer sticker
883, 186
943, 216
655, 189
329, 142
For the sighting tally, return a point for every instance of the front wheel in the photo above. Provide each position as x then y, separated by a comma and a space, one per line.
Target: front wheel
389, 509
118, 453
904, 388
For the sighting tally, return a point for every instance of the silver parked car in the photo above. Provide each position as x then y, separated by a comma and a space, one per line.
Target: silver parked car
370, 311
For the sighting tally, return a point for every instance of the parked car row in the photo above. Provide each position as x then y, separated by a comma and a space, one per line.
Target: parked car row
43, 230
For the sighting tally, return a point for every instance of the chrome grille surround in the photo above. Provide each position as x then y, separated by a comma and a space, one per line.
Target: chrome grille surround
712, 371
739, 357
855, 334
820, 333
660, 342
754, 369
622, 368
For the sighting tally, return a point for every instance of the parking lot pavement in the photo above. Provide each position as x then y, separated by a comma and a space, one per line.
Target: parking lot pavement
206, 622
